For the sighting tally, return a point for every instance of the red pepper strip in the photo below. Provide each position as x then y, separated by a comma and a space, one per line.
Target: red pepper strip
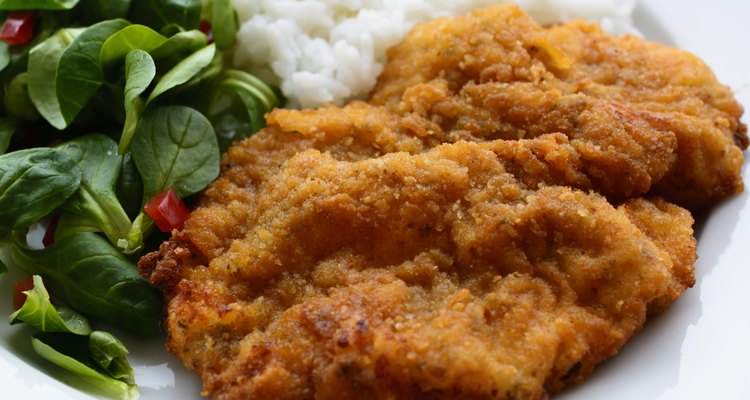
167, 210
18, 28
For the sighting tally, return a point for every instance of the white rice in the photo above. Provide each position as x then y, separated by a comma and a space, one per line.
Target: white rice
331, 51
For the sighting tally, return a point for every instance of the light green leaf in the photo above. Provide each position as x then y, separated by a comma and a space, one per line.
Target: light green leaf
140, 71
72, 354
117, 47
110, 354
43, 63
39, 312
181, 45
184, 71
223, 23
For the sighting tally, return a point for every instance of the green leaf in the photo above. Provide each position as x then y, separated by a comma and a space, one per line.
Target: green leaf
34, 182
177, 47
140, 71
17, 100
130, 186
89, 274
184, 71
37, 4
39, 312
70, 223
7, 129
235, 114
253, 85
100, 10
223, 23
181, 44
72, 353
117, 47
43, 62
5, 56
175, 146
167, 16
138, 232
110, 354
79, 72
238, 107
96, 199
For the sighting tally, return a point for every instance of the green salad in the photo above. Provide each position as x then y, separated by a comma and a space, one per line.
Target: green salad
112, 114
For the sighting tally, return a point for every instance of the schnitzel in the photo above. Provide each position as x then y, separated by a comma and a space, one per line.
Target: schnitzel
498, 74
492, 224
437, 275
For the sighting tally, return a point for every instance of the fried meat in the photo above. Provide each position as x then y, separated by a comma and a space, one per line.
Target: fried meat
478, 230
436, 275
498, 74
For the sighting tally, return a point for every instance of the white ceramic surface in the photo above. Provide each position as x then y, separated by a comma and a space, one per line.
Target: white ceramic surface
698, 349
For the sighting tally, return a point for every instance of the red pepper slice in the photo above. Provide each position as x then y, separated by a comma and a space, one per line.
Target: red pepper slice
49, 234
167, 210
206, 28
19, 287
18, 28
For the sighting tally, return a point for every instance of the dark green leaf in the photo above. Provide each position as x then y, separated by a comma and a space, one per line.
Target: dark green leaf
240, 102
17, 100
140, 70
241, 116
130, 186
34, 182
90, 275
37, 4
161, 14
7, 129
96, 199
175, 146
79, 72
99, 10
72, 354
38, 311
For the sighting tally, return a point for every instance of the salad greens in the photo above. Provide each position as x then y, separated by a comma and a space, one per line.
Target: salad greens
96, 198
187, 159
89, 274
37, 4
74, 354
110, 103
39, 312
33, 183
65, 338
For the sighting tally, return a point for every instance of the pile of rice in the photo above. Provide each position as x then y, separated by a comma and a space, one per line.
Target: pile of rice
331, 51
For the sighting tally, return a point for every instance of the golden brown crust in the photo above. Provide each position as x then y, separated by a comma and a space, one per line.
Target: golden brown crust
500, 52
410, 276
454, 238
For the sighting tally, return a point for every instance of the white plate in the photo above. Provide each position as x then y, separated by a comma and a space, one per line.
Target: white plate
698, 349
